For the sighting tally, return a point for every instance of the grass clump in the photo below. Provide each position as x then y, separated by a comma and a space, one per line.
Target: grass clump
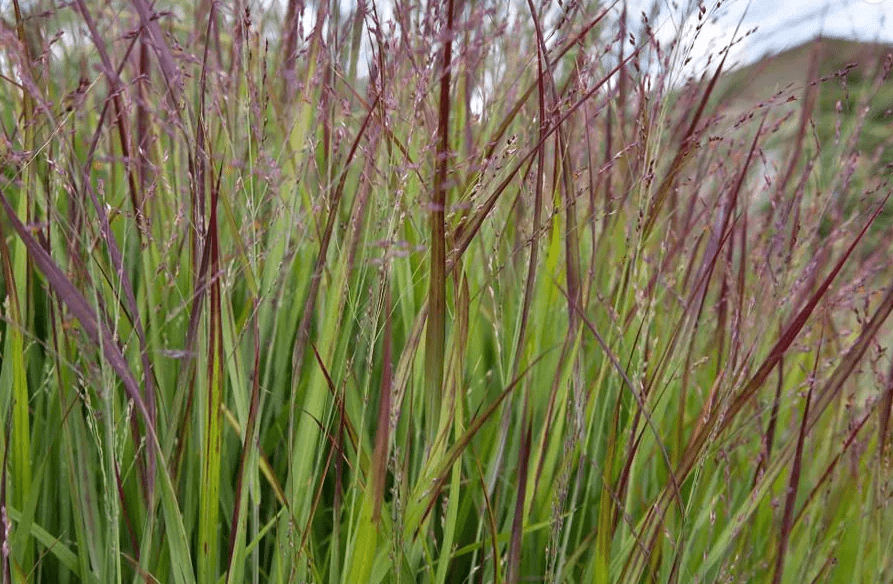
433, 292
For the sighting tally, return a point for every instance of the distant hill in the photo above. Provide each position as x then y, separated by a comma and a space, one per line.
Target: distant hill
844, 74
790, 69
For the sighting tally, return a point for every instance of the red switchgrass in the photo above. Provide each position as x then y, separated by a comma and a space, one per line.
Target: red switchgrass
714, 420
325, 207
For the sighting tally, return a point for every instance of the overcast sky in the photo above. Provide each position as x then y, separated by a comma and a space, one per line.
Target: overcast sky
781, 24
789, 22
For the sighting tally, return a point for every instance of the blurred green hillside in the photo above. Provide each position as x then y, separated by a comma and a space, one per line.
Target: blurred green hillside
847, 77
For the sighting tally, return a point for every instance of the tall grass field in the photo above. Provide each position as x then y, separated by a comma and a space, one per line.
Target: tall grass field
440, 291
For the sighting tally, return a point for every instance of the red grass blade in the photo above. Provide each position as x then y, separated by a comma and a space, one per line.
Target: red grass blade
794, 481
435, 335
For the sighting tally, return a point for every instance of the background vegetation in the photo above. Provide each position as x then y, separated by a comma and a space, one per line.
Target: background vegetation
436, 292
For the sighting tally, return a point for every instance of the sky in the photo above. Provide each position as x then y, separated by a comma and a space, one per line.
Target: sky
787, 23
780, 24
